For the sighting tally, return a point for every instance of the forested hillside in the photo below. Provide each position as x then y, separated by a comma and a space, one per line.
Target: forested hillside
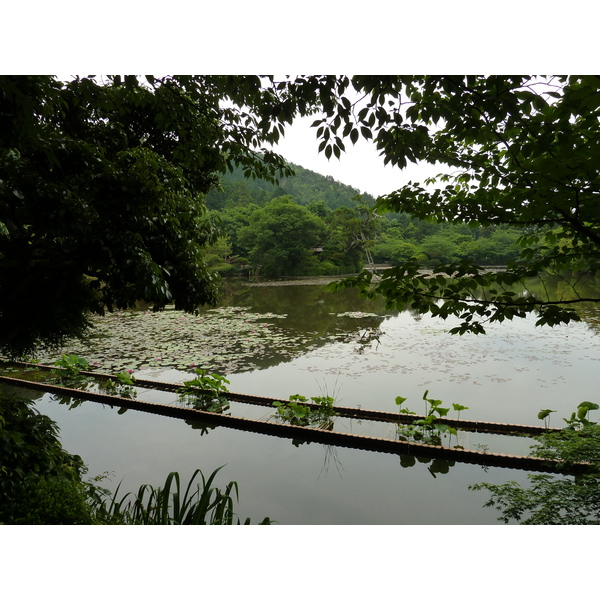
310, 224
305, 186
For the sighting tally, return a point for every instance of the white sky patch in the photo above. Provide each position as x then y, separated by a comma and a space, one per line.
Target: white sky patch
359, 166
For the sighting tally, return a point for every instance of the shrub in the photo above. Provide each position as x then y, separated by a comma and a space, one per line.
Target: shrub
45, 500
555, 499
40, 482
328, 268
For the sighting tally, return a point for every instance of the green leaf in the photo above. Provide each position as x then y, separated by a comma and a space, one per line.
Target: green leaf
584, 408
545, 413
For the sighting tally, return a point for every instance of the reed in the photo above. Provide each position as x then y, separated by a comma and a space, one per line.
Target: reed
200, 503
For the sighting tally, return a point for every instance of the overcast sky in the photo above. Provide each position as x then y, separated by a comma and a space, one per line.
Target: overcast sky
385, 36
360, 166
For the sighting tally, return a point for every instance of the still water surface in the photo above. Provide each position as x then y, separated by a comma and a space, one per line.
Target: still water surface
299, 339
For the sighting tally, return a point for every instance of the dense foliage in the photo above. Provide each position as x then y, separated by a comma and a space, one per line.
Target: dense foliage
285, 238
282, 236
555, 499
102, 183
42, 484
100, 194
250, 212
518, 151
304, 185
350, 235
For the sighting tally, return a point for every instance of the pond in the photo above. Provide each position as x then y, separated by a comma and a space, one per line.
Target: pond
280, 340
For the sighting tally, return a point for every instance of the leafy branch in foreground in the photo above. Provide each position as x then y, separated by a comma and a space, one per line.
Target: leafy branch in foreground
519, 151
152, 146
556, 499
473, 294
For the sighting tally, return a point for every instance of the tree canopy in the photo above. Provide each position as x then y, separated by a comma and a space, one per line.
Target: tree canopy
521, 151
282, 236
102, 183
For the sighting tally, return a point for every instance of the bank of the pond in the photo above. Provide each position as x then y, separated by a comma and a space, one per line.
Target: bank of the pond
286, 281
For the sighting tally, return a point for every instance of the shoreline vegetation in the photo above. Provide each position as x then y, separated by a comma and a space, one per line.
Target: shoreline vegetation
327, 279
122, 190
320, 280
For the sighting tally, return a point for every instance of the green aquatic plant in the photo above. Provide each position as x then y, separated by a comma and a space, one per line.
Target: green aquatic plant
207, 391
400, 400
72, 363
579, 419
458, 408
126, 377
428, 429
123, 386
225, 340
298, 411
174, 505
70, 371
70, 374
544, 415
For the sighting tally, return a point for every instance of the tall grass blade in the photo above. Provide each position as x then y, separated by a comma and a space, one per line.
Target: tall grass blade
166, 505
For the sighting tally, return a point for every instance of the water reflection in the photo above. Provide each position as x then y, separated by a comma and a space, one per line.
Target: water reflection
368, 338
203, 427
507, 376
313, 484
255, 328
556, 288
436, 466
331, 455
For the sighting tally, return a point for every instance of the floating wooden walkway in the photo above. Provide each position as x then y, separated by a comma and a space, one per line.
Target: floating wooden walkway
333, 438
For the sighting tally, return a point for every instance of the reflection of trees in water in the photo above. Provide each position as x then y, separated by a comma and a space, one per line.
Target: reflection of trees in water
367, 338
308, 307
553, 287
557, 287
437, 466
312, 311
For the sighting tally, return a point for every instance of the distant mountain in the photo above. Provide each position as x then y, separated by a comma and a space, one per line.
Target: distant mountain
306, 187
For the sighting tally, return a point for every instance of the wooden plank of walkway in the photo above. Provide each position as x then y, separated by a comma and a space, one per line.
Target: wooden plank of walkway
342, 411
332, 438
